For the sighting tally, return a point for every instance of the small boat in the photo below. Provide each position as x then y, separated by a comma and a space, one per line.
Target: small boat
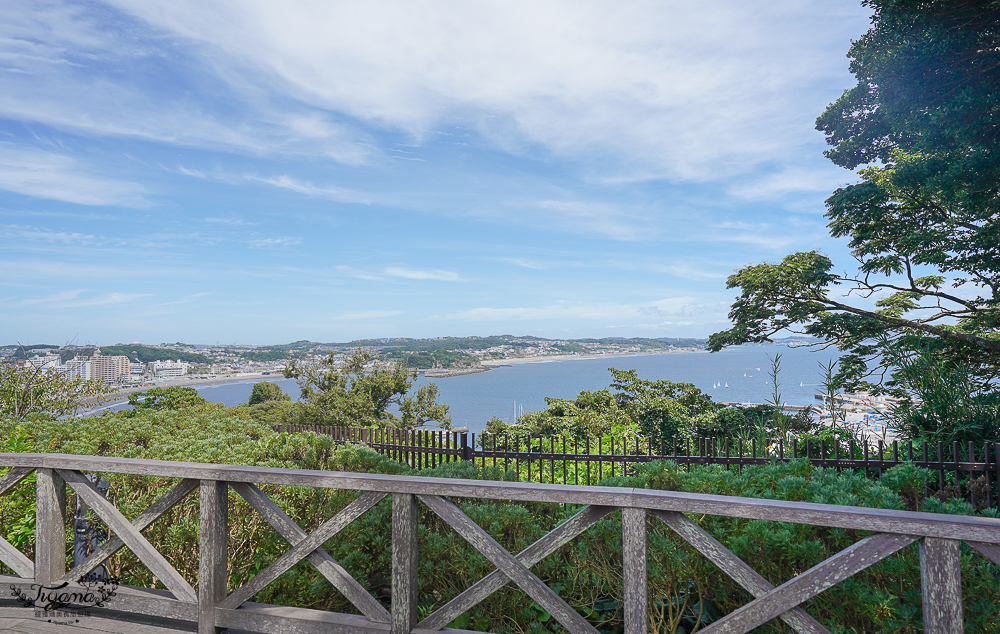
744, 375
727, 384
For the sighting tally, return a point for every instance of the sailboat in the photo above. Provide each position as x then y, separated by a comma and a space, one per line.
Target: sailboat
727, 384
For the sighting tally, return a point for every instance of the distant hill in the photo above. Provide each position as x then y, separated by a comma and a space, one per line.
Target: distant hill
144, 354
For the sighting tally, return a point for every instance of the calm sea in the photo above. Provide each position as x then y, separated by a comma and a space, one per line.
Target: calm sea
475, 398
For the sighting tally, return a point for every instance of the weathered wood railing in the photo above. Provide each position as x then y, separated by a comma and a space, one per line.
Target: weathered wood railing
211, 606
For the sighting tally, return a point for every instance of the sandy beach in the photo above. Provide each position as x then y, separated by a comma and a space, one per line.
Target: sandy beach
193, 380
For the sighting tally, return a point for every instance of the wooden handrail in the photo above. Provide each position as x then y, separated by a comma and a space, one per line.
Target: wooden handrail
938, 536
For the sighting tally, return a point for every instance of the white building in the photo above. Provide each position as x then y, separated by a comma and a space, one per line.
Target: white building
45, 361
168, 368
78, 367
111, 370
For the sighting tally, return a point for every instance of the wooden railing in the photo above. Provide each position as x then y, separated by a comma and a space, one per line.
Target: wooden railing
561, 459
213, 606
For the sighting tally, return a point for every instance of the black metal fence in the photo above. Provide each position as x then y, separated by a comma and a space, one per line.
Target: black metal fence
973, 471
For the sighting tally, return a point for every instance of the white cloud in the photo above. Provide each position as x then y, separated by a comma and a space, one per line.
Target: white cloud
184, 300
55, 298
680, 306
793, 180
82, 69
696, 269
371, 314
334, 193
271, 243
41, 174
608, 220
231, 220
418, 274
652, 89
527, 264
72, 299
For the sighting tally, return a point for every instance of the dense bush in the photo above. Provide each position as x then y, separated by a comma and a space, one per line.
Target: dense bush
686, 590
654, 411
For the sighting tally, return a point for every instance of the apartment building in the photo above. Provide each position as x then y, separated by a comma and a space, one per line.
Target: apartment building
111, 370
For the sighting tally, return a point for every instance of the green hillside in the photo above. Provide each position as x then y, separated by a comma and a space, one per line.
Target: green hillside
145, 354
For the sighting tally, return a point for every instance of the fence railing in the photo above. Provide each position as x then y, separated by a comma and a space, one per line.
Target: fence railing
213, 605
570, 460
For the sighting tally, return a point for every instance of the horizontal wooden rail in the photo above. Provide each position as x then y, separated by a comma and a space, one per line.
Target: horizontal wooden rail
938, 537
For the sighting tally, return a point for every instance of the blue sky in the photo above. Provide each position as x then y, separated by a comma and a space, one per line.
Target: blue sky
262, 172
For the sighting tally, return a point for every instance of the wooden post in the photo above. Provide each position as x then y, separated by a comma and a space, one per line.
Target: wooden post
50, 526
213, 552
634, 570
941, 585
404, 563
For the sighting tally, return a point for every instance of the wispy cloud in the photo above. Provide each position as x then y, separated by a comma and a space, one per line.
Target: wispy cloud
371, 314
678, 306
55, 298
233, 221
184, 300
824, 178
273, 243
527, 264
334, 193
682, 91
682, 307
41, 174
419, 274
73, 299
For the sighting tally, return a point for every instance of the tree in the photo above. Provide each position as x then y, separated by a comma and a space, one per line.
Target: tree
265, 391
160, 398
31, 390
946, 404
923, 223
832, 400
360, 391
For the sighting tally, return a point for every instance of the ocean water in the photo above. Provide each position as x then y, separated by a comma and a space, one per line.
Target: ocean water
475, 398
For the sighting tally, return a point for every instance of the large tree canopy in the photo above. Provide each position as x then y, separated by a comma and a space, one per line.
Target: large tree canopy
361, 390
923, 126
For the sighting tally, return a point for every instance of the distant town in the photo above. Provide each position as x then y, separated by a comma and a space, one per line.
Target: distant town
135, 364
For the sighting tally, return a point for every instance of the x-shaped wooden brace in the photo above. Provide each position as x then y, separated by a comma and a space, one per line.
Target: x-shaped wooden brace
152, 513
783, 600
21, 565
548, 544
130, 536
507, 564
308, 547
990, 551
736, 568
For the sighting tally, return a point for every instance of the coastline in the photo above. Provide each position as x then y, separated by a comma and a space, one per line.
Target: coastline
193, 380
576, 357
